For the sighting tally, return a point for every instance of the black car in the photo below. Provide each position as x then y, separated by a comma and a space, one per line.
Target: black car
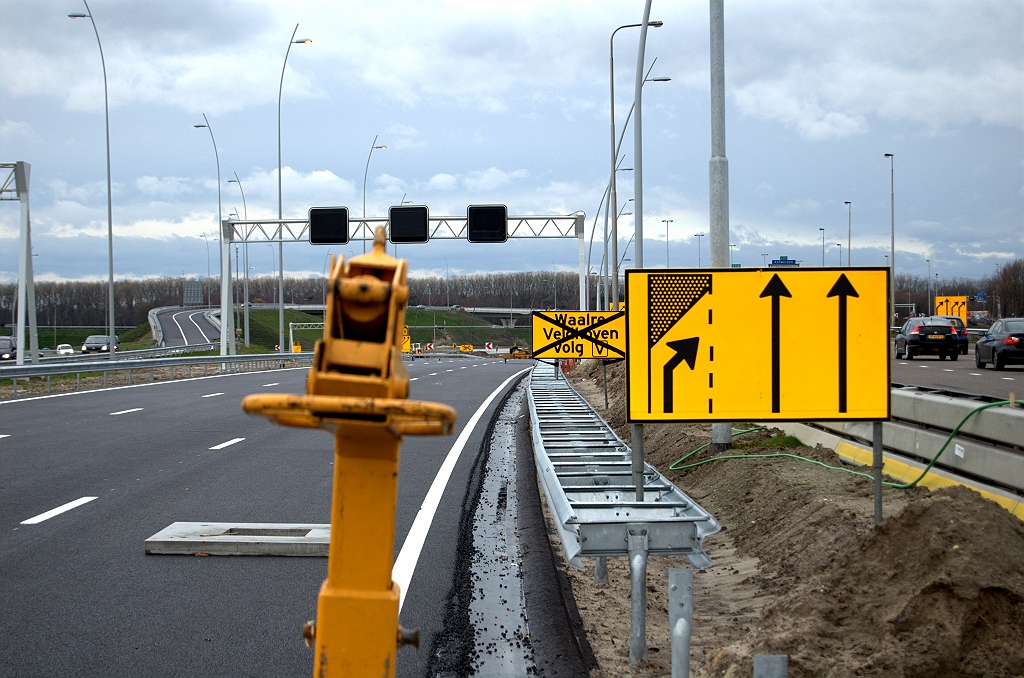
99, 343
8, 348
1002, 345
961, 330
927, 336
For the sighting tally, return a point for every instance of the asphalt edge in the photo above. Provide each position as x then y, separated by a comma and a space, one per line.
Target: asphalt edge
452, 650
557, 634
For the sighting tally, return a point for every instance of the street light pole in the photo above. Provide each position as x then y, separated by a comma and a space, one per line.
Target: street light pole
365, 173
447, 293
208, 285
892, 238
849, 231
110, 199
840, 246
245, 259
698, 236
929, 262
666, 222
822, 246
615, 151
731, 246
226, 334
280, 203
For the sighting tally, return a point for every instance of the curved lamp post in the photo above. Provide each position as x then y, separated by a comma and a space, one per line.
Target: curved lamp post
280, 205
365, 173
110, 201
227, 343
892, 238
849, 230
614, 195
245, 261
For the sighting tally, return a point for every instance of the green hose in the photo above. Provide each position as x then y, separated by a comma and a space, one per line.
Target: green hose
899, 486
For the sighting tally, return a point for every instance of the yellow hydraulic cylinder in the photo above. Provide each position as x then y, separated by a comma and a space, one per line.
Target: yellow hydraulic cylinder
357, 389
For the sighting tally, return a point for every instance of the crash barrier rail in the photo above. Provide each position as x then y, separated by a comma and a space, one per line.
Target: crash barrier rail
989, 446
586, 472
228, 363
131, 355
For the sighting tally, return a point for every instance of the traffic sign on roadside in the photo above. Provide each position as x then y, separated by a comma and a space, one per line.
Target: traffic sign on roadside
579, 334
803, 344
951, 306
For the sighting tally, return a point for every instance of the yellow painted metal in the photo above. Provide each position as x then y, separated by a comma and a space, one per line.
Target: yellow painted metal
357, 389
466, 348
951, 306
579, 334
757, 344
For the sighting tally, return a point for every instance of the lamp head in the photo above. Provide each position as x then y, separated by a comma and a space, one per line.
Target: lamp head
232, 181
888, 155
655, 24
198, 126
303, 41
382, 147
846, 202
78, 15
660, 78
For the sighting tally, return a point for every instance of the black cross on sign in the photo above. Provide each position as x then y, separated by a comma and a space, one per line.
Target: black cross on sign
584, 333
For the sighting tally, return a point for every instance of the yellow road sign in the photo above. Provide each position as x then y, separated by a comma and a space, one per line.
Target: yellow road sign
406, 344
757, 344
952, 306
579, 334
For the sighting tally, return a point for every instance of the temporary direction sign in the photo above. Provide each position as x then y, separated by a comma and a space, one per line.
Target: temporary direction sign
800, 344
579, 334
406, 340
952, 306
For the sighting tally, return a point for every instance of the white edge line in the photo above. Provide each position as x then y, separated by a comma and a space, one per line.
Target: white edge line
227, 444
211, 395
405, 564
27, 399
276, 383
134, 409
5, 435
57, 511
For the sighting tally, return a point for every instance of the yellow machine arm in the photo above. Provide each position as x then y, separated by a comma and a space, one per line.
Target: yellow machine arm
357, 388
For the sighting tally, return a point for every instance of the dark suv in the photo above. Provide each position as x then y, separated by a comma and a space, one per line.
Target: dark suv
99, 343
927, 336
1002, 345
8, 348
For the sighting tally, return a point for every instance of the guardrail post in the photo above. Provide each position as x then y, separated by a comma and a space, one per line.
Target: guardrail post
680, 619
637, 543
876, 467
601, 570
771, 666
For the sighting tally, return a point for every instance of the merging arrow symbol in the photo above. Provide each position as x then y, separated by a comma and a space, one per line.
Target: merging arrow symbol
686, 350
775, 289
842, 289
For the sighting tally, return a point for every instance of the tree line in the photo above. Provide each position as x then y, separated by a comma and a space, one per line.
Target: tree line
81, 303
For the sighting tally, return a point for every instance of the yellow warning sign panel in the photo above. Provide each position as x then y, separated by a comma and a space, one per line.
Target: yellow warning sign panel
579, 334
406, 343
808, 344
952, 306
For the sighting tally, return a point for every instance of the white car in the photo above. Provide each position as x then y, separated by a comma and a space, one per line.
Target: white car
65, 349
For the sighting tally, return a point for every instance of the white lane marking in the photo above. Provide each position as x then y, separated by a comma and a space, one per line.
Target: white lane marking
57, 511
405, 564
134, 409
945, 370
432, 374
198, 327
974, 374
1008, 379
449, 370
413, 378
5, 435
227, 444
463, 367
273, 383
902, 363
211, 395
174, 317
924, 366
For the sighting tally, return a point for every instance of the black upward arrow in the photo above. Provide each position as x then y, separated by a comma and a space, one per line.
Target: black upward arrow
775, 289
842, 289
686, 349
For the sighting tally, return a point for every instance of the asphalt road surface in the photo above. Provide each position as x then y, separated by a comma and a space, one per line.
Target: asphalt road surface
187, 327
81, 598
961, 376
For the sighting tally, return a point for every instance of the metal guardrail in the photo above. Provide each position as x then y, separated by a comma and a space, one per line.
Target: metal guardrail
989, 446
263, 360
586, 472
585, 469
131, 355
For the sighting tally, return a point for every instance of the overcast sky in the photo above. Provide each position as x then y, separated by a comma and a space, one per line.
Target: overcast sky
509, 103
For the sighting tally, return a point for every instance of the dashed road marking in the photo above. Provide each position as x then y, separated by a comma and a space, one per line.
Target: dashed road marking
273, 383
945, 370
1008, 379
211, 395
432, 374
413, 378
5, 435
134, 409
227, 444
57, 511
974, 374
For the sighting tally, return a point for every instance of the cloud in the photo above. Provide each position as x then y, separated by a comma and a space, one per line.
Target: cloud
442, 182
165, 186
764, 190
15, 128
491, 178
798, 207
